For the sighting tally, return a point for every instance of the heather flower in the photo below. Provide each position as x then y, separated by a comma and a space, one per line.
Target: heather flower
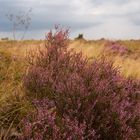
116, 48
44, 125
77, 98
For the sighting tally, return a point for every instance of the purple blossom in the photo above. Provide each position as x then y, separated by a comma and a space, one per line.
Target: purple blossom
77, 98
117, 48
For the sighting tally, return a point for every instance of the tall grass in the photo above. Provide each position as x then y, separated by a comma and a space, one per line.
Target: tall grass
13, 104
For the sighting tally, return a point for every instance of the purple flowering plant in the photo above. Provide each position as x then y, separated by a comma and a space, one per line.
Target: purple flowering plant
116, 48
76, 99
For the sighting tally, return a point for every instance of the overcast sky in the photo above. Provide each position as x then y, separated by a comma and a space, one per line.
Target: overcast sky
111, 19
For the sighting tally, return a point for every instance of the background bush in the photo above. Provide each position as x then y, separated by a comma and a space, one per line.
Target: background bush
91, 100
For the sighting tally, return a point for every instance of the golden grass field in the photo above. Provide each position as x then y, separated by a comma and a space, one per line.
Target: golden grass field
13, 65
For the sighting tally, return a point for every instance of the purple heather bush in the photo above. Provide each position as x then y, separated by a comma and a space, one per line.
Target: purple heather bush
117, 48
45, 125
76, 99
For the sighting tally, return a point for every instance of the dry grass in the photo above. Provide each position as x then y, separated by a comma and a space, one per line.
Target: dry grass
13, 104
130, 65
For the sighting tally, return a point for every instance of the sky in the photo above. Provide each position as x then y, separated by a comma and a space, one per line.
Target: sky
95, 19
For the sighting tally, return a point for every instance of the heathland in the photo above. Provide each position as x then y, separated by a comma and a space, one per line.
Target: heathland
15, 87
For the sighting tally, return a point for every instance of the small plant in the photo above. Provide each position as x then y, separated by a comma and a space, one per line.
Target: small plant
91, 99
117, 48
20, 21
